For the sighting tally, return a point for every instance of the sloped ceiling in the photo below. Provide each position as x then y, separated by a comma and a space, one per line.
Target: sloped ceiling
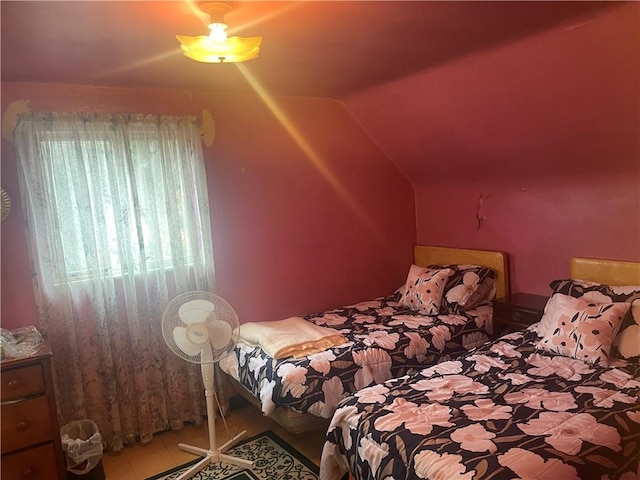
310, 48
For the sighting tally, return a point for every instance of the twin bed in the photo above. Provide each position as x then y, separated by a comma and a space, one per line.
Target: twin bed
413, 395
385, 338
559, 400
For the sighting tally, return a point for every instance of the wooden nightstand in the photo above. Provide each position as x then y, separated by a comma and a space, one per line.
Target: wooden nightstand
31, 446
517, 312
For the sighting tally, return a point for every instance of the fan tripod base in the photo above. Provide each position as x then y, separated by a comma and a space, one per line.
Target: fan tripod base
211, 457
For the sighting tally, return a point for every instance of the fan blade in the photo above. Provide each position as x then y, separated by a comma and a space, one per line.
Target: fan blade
195, 311
183, 342
219, 333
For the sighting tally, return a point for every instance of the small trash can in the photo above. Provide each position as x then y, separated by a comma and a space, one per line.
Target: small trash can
82, 445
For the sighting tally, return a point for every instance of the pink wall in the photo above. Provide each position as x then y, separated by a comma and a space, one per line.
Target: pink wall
298, 226
546, 129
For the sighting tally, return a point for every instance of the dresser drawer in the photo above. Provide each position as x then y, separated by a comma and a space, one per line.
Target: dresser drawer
21, 382
25, 423
37, 463
29, 431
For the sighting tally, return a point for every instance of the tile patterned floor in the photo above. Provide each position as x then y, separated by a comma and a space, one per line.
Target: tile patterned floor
144, 460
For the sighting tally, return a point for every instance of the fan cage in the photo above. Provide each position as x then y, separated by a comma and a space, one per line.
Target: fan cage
223, 312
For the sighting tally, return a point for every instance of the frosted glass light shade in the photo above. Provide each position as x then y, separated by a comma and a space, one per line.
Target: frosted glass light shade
233, 49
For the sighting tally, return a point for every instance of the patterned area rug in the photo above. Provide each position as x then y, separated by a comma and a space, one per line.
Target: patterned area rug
273, 459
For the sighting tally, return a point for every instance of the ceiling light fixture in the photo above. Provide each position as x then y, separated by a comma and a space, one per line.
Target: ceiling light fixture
217, 47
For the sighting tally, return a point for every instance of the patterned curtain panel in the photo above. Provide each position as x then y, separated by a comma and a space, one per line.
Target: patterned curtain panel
117, 217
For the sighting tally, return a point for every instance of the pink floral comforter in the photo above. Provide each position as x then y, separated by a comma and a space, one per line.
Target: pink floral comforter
503, 411
385, 340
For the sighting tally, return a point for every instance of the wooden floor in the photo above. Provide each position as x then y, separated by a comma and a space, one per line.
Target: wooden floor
144, 460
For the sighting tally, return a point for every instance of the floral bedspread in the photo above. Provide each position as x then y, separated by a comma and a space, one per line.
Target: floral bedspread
503, 411
385, 340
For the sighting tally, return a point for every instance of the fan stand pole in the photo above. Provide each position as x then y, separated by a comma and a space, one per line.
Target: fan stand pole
213, 454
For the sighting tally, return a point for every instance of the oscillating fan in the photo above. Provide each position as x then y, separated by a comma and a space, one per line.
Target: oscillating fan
201, 328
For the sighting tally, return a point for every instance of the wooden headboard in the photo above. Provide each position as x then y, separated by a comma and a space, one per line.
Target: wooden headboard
608, 272
424, 255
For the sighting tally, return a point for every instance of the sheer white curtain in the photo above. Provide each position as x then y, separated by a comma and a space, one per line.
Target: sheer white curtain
118, 223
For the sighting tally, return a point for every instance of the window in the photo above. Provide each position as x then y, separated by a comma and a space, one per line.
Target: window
126, 194
117, 222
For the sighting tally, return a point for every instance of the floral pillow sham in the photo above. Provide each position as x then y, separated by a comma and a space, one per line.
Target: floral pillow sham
424, 288
580, 329
467, 287
596, 292
626, 345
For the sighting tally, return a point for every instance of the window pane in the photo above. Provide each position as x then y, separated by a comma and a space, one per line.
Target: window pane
126, 194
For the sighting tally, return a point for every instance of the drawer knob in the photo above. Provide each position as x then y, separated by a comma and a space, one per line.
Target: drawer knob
28, 474
22, 425
15, 383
